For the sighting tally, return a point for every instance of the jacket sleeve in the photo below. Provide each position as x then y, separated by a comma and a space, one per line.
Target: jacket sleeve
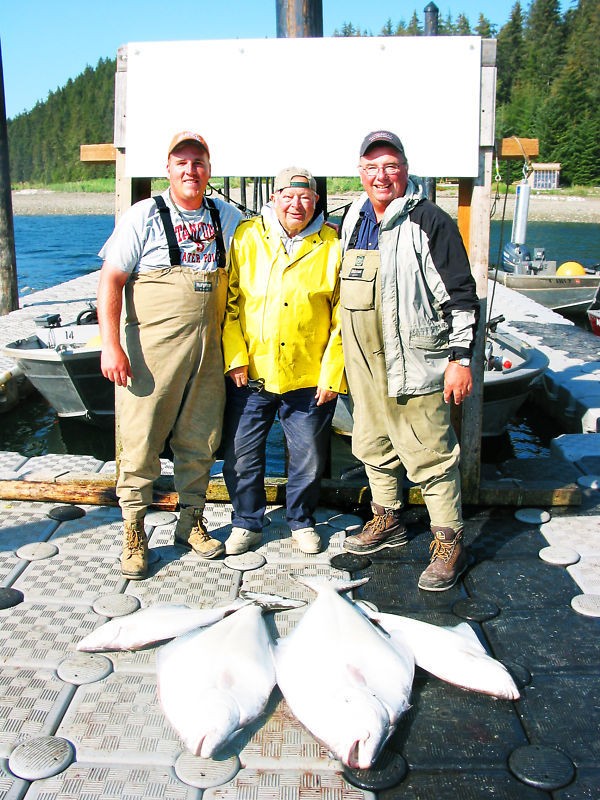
235, 351
460, 308
332, 374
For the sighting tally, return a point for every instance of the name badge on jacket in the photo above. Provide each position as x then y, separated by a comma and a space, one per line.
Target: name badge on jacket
202, 286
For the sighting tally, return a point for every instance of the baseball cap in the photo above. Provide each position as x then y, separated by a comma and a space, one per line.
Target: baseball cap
187, 136
294, 177
381, 137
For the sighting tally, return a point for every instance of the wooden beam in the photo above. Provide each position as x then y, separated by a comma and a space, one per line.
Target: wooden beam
465, 193
99, 489
518, 148
99, 153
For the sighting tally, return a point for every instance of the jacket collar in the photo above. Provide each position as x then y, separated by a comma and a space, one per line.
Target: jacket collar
290, 243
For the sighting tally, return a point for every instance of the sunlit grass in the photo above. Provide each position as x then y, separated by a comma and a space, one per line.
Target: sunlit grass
334, 186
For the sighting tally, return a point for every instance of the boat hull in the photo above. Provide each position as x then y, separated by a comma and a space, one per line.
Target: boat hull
504, 392
67, 372
593, 313
564, 294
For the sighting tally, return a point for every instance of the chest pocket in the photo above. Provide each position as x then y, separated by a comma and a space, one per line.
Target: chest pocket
358, 280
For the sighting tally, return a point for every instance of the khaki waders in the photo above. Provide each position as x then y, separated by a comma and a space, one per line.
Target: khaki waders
172, 336
392, 435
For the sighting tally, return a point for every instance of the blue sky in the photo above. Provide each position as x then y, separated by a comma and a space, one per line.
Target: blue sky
46, 43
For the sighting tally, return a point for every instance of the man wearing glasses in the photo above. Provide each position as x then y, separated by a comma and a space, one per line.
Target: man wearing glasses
167, 254
283, 355
409, 314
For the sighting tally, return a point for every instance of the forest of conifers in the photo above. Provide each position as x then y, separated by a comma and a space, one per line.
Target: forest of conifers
548, 88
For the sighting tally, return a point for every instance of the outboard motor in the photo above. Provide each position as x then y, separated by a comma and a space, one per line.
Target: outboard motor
516, 258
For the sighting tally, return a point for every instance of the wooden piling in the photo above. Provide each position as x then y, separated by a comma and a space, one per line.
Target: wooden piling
9, 296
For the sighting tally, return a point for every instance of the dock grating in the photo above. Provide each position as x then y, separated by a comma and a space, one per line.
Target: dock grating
454, 743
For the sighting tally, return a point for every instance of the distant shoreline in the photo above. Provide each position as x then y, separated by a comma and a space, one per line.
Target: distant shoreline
542, 208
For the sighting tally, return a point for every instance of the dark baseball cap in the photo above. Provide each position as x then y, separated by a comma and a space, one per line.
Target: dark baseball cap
381, 137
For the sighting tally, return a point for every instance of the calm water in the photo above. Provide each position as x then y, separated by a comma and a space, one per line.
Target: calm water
54, 249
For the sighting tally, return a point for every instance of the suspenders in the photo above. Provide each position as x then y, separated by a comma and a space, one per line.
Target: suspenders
174, 251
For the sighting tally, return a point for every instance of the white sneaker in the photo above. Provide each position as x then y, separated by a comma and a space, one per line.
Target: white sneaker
241, 540
307, 539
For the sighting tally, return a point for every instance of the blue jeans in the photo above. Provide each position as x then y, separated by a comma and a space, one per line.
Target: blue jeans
249, 416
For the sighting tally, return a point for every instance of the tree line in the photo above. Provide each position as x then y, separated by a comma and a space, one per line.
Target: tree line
548, 88
44, 142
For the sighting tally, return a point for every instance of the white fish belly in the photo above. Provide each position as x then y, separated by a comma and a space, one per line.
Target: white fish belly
343, 680
152, 624
213, 681
454, 655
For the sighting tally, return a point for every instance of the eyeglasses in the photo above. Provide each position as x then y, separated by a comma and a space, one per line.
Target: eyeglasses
256, 384
390, 169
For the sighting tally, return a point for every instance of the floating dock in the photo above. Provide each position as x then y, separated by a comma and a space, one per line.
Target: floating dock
569, 391
79, 725
84, 725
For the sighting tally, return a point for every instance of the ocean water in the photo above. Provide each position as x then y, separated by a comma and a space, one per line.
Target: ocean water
54, 249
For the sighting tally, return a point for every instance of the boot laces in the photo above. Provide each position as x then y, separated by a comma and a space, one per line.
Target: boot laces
442, 550
199, 529
135, 536
378, 523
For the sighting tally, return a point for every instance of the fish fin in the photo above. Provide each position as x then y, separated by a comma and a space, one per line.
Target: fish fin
464, 630
316, 583
235, 605
271, 602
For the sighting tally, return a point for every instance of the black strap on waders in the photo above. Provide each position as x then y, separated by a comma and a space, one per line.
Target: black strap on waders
165, 215
216, 221
174, 249
354, 235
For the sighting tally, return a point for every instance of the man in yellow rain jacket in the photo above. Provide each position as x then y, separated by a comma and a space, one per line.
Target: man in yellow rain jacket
283, 354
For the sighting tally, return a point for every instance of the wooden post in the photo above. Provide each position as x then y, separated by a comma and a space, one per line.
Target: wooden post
478, 246
9, 295
298, 18
431, 12
127, 190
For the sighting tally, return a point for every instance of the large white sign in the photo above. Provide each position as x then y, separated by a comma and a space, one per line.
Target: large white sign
265, 104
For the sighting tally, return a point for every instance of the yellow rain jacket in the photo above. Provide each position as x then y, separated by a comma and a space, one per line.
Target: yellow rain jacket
283, 312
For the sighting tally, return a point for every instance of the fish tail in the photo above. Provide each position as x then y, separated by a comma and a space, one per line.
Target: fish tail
271, 602
317, 583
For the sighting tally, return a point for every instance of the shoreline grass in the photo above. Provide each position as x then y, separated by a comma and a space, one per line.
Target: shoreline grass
335, 185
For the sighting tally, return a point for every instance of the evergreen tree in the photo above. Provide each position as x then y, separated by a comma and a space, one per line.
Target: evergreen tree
572, 110
388, 29
544, 44
510, 53
463, 26
414, 27
484, 28
44, 143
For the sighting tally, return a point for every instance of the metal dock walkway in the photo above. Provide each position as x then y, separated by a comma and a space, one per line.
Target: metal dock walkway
78, 726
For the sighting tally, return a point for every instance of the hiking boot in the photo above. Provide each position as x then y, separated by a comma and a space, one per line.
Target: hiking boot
241, 540
448, 560
384, 530
307, 539
191, 532
134, 561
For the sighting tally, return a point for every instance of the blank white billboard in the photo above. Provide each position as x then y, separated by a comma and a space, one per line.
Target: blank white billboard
263, 104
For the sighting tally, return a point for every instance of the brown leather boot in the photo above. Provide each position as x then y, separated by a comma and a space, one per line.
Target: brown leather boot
448, 560
191, 532
384, 530
134, 561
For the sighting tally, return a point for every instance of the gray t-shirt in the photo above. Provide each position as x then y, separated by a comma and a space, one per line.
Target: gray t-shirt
138, 242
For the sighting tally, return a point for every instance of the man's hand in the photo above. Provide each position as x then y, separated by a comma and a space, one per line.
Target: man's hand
115, 365
113, 362
239, 375
458, 382
324, 396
